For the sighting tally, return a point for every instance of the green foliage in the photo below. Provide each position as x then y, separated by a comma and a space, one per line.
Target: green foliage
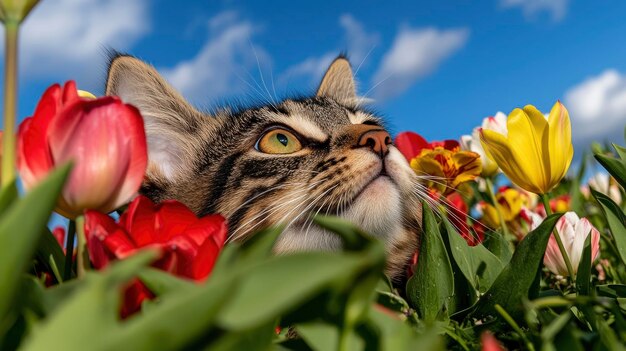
320, 300
21, 224
516, 280
431, 288
479, 266
615, 166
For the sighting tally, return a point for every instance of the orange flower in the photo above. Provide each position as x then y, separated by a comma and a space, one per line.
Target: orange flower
444, 166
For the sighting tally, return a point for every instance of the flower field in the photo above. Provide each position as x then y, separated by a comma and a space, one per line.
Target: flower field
523, 245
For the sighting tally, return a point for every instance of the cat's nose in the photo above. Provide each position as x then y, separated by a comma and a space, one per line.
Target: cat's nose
378, 140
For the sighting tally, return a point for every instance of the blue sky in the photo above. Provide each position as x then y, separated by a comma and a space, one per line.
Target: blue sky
435, 67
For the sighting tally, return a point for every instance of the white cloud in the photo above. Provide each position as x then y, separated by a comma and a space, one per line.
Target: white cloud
65, 39
597, 108
414, 54
214, 72
358, 43
557, 8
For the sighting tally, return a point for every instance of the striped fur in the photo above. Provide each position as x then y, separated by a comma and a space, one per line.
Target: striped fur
209, 162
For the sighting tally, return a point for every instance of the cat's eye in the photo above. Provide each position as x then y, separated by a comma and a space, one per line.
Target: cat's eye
278, 141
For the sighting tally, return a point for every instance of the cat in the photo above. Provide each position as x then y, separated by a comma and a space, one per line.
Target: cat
277, 163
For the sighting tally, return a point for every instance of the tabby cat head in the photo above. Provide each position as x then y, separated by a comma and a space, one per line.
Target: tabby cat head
279, 163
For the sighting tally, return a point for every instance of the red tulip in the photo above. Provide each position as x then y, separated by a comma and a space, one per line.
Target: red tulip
490, 343
189, 246
104, 138
410, 144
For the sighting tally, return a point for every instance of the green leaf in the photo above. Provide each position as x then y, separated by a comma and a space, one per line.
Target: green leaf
431, 288
21, 226
255, 339
514, 282
621, 152
162, 283
319, 335
354, 239
260, 245
497, 245
583, 275
90, 316
479, 266
276, 285
8, 195
616, 221
49, 253
395, 334
614, 166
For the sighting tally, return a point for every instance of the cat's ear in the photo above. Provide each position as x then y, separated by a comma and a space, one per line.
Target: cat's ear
338, 82
171, 122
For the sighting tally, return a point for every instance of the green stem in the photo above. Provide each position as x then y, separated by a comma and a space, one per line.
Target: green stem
568, 263
83, 255
492, 194
10, 102
69, 250
507, 317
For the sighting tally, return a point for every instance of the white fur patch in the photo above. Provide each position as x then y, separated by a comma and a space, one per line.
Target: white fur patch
302, 125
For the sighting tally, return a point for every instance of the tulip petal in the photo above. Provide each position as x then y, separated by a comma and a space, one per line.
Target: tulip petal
410, 144
97, 227
526, 130
83, 132
468, 166
131, 122
507, 158
560, 142
140, 221
33, 155
205, 260
208, 228
172, 218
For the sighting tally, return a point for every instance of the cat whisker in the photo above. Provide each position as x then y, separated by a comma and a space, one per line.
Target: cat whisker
273, 209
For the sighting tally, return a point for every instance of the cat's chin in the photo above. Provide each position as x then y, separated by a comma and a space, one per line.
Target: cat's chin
377, 210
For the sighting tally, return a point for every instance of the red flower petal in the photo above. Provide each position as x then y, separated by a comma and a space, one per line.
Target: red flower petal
172, 219
59, 234
410, 144
209, 227
179, 255
205, 260
98, 227
139, 220
134, 295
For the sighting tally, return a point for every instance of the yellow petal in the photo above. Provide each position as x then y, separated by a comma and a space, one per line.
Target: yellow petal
526, 129
85, 94
560, 143
490, 216
428, 168
507, 159
468, 166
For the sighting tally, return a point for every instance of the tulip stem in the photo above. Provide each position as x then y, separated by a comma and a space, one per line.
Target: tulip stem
492, 194
69, 250
10, 101
83, 255
568, 263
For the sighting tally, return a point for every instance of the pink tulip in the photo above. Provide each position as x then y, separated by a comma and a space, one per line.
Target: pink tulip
573, 232
104, 138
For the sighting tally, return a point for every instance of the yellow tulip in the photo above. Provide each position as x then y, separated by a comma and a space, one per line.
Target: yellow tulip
537, 151
509, 203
